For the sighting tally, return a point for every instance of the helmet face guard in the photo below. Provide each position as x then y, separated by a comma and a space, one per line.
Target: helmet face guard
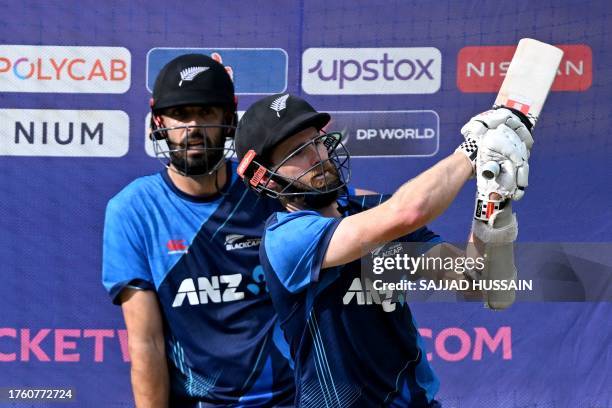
196, 154
193, 80
327, 177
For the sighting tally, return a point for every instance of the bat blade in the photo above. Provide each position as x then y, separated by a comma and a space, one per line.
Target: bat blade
527, 83
529, 78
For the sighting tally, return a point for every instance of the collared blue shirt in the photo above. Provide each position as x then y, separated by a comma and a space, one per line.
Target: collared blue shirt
201, 257
346, 351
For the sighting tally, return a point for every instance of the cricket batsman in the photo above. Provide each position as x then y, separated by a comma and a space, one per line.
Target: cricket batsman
352, 355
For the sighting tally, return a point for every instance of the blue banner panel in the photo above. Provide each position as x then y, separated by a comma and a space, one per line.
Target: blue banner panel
388, 134
255, 71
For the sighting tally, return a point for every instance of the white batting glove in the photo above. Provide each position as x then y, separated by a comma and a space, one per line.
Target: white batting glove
475, 130
504, 147
478, 126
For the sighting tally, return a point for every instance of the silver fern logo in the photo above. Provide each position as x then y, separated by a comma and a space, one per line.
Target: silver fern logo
279, 104
189, 74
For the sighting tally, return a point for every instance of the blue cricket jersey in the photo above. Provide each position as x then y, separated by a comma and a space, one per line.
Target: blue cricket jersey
201, 257
347, 352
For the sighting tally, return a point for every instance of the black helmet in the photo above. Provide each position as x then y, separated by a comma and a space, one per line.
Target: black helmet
192, 80
267, 123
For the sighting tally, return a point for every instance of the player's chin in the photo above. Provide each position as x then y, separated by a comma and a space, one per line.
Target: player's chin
205, 157
201, 162
196, 162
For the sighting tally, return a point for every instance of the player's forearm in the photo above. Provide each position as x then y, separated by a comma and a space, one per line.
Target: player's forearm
417, 202
150, 379
425, 197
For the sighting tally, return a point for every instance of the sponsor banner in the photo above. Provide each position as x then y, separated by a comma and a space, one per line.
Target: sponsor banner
59, 69
64, 133
371, 71
388, 133
255, 71
28, 345
482, 69
372, 133
61, 345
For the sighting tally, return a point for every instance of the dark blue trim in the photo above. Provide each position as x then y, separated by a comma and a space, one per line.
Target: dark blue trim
136, 283
418, 395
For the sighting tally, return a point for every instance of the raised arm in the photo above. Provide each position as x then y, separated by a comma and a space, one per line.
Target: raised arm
414, 204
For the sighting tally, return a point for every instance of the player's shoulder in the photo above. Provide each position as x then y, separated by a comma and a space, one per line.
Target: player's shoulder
134, 192
283, 219
292, 232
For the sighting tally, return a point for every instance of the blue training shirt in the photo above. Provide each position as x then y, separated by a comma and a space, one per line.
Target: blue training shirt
347, 352
201, 257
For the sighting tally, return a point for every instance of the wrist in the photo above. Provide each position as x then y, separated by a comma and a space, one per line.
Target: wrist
465, 164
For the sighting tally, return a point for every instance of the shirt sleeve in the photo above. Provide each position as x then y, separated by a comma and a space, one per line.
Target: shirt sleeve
124, 261
295, 246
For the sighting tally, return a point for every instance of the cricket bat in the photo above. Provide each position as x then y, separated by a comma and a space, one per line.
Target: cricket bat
528, 80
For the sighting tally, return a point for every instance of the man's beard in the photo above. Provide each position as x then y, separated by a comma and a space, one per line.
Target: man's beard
329, 178
329, 186
204, 162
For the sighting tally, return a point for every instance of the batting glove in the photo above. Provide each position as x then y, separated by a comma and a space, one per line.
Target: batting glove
475, 130
504, 147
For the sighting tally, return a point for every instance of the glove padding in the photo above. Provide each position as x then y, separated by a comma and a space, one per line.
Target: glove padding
503, 146
478, 126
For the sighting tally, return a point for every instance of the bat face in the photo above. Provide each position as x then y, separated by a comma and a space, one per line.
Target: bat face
529, 78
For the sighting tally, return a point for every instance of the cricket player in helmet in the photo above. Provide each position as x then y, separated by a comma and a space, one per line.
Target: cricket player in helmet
181, 257
347, 352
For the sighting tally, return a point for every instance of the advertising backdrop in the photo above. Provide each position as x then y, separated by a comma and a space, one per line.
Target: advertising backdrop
401, 78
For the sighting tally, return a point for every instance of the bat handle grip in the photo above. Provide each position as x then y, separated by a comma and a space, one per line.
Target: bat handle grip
490, 170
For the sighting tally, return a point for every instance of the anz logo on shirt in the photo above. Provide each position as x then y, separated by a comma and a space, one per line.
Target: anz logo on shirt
365, 295
218, 289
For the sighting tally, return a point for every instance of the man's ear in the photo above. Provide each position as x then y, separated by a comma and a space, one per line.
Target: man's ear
156, 123
157, 120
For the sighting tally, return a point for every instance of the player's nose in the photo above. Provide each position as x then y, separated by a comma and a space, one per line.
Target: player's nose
313, 154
